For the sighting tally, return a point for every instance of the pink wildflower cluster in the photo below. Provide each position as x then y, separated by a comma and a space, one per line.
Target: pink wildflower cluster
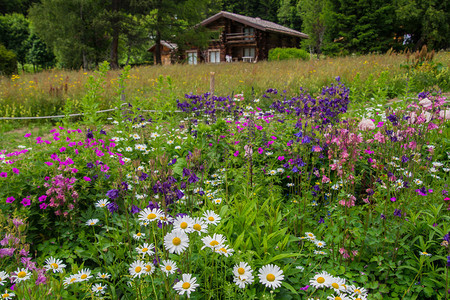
346, 254
60, 190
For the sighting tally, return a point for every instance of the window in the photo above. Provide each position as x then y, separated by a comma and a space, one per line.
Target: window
249, 31
249, 52
214, 56
192, 57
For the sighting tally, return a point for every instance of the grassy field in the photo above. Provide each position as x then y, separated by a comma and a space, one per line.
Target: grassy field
369, 76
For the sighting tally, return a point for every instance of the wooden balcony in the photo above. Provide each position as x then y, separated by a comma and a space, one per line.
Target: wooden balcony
239, 38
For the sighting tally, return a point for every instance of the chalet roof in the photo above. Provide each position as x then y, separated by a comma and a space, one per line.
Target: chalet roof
256, 23
171, 46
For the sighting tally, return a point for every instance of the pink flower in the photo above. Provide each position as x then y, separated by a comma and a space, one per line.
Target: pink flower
380, 124
48, 163
15, 170
74, 170
366, 124
432, 126
27, 135
393, 199
273, 137
325, 179
237, 142
76, 151
87, 178
260, 150
62, 149
236, 153
10, 199
3, 174
26, 202
280, 158
43, 206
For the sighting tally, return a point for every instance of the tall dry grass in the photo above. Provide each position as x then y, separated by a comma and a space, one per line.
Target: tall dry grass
45, 93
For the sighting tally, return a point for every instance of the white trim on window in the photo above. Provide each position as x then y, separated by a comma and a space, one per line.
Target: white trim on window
192, 57
214, 56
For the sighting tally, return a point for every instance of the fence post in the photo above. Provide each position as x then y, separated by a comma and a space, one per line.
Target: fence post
211, 83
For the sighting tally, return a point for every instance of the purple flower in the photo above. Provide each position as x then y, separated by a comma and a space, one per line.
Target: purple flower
447, 237
382, 216
112, 207
152, 205
87, 178
393, 199
193, 178
43, 205
186, 172
89, 165
102, 132
448, 261
321, 221
10, 199
422, 191
6, 252
305, 288
135, 209
444, 192
3, 174
143, 176
27, 135
112, 194
62, 149
26, 202
397, 213
89, 134
15, 170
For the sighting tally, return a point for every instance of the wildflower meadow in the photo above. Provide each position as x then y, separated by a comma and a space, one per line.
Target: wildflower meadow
274, 195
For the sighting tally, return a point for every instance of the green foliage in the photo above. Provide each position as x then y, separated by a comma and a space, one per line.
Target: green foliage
15, 34
287, 53
8, 61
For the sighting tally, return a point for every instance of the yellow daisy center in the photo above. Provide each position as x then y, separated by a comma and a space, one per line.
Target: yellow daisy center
358, 299
138, 269
337, 298
21, 274
335, 285
148, 268
186, 285
103, 204
184, 225
84, 276
72, 280
99, 288
241, 271
211, 219
270, 277
54, 265
197, 227
144, 249
168, 268
138, 234
92, 223
214, 243
5, 295
223, 250
176, 241
151, 216
357, 291
320, 280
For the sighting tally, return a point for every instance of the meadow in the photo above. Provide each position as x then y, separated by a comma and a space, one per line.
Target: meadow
311, 185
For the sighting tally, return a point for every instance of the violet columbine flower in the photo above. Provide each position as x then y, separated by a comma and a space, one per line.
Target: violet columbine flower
397, 213
135, 209
112, 207
448, 261
152, 205
422, 191
321, 220
382, 216
89, 165
112, 194
102, 132
89, 134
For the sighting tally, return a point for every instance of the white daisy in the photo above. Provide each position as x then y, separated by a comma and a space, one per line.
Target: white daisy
198, 225
320, 244
150, 215
271, 276
69, 280
7, 295
92, 222
103, 275
211, 217
3, 277
337, 284
54, 264
217, 200
212, 242
98, 288
102, 203
423, 253
186, 285
21, 274
321, 280
137, 269
224, 250
84, 275
146, 249
138, 236
272, 172
310, 235
168, 266
176, 241
359, 291
149, 268
183, 223
243, 269
338, 297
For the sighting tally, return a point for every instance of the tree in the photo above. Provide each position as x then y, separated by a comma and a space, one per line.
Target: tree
313, 15
15, 33
425, 22
289, 14
39, 54
74, 29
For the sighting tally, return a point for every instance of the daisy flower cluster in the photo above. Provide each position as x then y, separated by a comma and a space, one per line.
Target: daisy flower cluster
341, 290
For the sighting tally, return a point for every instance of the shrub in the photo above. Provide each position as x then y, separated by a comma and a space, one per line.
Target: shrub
8, 61
288, 53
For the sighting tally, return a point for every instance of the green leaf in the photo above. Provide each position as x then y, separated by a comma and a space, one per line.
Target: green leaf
281, 256
289, 287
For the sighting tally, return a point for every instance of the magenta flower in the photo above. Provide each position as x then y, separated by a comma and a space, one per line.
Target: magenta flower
236, 153
10, 199
62, 149
280, 158
273, 137
74, 170
3, 174
43, 206
26, 202
260, 150
42, 198
48, 163
87, 178
15, 170
27, 135
393, 199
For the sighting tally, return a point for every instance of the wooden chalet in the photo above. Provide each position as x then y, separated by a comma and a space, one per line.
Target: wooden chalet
243, 39
168, 52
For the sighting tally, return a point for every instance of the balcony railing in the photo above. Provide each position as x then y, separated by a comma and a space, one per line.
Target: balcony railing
239, 38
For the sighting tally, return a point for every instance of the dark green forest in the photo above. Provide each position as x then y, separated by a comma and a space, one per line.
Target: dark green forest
77, 34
